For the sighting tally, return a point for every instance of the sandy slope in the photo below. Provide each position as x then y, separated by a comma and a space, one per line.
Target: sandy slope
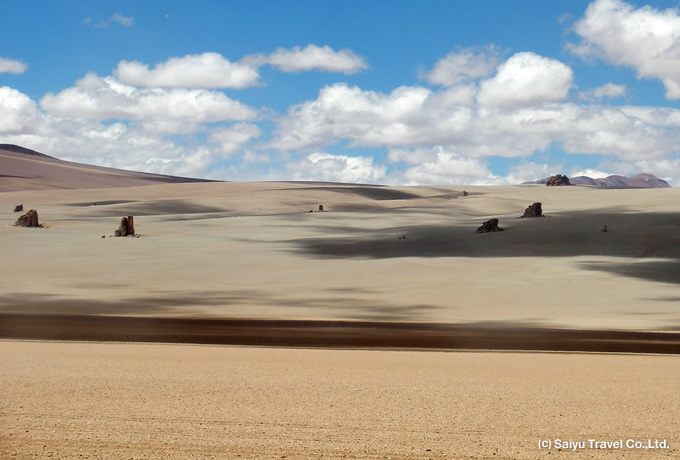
73, 400
254, 250
23, 169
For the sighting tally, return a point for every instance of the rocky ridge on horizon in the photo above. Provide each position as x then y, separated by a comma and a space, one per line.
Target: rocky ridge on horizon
642, 180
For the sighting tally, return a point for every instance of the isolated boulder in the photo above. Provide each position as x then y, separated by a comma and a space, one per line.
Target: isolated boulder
321, 208
490, 225
19, 208
533, 210
30, 219
127, 227
557, 179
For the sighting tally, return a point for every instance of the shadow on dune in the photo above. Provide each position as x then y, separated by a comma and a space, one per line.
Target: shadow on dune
375, 192
661, 271
329, 334
184, 304
569, 234
115, 208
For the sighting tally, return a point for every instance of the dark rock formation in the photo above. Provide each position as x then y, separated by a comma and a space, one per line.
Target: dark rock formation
127, 227
19, 208
557, 179
490, 225
30, 219
533, 210
321, 208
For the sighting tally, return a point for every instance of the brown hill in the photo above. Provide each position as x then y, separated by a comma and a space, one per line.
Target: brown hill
636, 181
26, 169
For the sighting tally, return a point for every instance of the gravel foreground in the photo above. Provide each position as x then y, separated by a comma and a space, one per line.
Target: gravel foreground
123, 400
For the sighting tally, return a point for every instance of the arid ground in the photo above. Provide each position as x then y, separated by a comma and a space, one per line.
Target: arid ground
394, 279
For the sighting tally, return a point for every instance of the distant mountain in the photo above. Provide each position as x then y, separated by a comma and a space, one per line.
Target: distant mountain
26, 169
20, 149
637, 181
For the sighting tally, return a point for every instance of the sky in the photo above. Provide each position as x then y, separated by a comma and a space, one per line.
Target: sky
429, 92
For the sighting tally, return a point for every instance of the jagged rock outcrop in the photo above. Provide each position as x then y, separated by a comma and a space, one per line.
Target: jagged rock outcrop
534, 210
556, 180
127, 227
490, 225
30, 219
19, 208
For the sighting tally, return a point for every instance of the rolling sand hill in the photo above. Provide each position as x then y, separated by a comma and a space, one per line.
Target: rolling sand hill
25, 169
385, 267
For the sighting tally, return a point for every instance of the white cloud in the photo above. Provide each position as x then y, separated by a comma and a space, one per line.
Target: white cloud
609, 90
326, 167
125, 21
12, 66
161, 110
406, 116
117, 18
231, 139
645, 39
409, 120
530, 171
526, 79
18, 113
311, 57
463, 66
445, 168
590, 172
207, 70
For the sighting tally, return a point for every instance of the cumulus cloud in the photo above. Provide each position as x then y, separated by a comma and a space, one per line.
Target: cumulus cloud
609, 90
231, 139
178, 109
406, 116
327, 167
12, 66
439, 166
590, 172
645, 39
463, 66
516, 112
527, 79
311, 57
207, 70
18, 113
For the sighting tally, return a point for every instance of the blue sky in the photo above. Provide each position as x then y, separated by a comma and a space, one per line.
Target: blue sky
399, 92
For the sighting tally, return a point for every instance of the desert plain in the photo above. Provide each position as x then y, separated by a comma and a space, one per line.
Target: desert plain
262, 262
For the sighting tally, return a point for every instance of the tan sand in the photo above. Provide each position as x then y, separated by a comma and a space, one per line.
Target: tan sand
254, 250
77, 400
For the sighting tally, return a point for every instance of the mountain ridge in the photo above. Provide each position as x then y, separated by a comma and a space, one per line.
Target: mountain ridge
642, 180
23, 169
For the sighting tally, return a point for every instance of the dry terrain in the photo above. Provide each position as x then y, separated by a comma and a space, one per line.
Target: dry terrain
385, 271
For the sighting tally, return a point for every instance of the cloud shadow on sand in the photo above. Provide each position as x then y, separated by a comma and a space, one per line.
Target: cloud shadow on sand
629, 235
185, 304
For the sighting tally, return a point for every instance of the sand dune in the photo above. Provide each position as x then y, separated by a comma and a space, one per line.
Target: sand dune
254, 250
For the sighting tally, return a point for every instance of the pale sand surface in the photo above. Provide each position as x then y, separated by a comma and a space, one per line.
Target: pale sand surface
94, 400
242, 250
